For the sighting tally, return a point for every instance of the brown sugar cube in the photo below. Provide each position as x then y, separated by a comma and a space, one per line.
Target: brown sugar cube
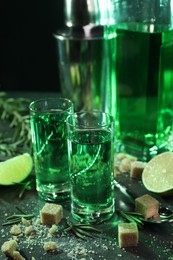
51, 214
128, 234
137, 169
125, 164
116, 171
156, 217
120, 156
147, 206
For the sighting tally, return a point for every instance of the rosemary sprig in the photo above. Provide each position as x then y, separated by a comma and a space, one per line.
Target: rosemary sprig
22, 187
133, 217
16, 218
14, 112
7, 147
81, 230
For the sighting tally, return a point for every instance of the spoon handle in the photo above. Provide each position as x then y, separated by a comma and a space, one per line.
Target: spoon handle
124, 190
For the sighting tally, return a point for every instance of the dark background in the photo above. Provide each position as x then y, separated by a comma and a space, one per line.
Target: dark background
28, 58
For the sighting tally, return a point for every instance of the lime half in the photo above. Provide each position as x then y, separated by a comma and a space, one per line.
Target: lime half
157, 175
16, 169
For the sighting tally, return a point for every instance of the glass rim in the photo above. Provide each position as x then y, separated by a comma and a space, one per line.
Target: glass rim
75, 114
32, 107
64, 37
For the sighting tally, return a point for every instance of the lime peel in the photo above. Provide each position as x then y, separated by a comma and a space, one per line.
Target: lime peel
16, 169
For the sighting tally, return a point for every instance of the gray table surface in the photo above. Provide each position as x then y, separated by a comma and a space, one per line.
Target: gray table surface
155, 240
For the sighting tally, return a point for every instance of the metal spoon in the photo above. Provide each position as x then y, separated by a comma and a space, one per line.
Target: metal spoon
166, 214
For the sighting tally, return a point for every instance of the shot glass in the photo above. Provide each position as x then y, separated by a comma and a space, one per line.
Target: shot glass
90, 138
49, 139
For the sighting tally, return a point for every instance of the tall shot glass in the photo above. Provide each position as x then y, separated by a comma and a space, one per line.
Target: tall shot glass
48, 129
90, 151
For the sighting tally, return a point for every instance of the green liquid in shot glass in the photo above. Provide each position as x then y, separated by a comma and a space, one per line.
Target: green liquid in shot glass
91, 175
50, 154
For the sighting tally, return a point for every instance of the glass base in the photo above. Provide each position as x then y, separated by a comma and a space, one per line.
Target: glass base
92, 214
53, 192
141, 151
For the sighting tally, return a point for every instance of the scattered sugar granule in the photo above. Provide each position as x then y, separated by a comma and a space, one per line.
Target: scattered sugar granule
37, 222
78, 250
50, 246
15, 230
53, 229
105, 247
26, 222
3, 233
28, 230
9, 247
51, 214
17, 256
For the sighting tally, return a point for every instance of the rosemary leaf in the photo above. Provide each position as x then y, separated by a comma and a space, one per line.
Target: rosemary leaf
133, 213
16, 218
22, 187
81, 230
14, 112
12, 222
133, 217
20, 210
20, 216
79, 235
68, 229
126, 216
88, 227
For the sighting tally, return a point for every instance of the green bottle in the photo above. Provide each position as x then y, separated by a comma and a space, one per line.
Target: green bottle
143, 104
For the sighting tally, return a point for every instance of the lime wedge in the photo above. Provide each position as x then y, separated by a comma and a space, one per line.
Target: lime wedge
157, 175
16, 169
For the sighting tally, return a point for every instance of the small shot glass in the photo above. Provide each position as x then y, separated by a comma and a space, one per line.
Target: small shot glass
90, 151
49, 139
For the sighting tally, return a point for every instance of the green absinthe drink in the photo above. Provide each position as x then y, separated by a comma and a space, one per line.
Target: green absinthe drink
50, 151
91, 175
144, 83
